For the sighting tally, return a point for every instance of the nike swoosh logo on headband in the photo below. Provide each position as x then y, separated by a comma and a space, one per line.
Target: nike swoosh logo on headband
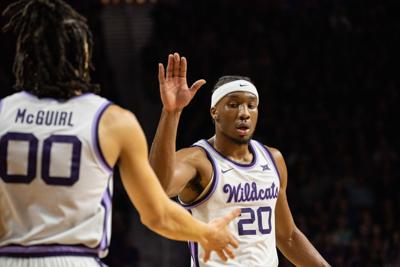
241, 85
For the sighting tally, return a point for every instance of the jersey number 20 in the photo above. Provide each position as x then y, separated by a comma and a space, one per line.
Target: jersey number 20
263, 221
30, 172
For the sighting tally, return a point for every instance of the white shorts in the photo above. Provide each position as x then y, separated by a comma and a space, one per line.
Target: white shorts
56, 261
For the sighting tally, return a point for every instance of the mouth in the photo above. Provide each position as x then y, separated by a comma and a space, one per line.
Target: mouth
243, 130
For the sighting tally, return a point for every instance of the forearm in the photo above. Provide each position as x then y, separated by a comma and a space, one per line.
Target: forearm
163, 149
299, 250
177, 224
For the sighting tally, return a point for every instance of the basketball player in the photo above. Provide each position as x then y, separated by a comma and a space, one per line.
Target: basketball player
59, 143
229, 170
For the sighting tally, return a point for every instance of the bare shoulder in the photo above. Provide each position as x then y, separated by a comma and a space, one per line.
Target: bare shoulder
275, 153
120, 124
195, 158
193, 155
119, 131
116, 117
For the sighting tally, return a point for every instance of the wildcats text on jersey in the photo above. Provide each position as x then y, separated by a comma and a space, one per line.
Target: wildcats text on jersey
44, 117
249, 192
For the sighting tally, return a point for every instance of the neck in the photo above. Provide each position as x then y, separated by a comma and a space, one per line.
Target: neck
230, 149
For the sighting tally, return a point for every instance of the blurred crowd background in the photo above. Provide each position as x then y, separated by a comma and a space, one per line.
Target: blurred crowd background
328, 77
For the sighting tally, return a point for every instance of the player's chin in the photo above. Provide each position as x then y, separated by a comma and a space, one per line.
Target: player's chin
242, 140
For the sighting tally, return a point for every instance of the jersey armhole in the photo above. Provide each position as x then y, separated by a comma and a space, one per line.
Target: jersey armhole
266, 149
95, 137
210, 188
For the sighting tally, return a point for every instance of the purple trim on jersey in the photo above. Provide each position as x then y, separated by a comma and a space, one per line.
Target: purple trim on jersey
1, 104
191, 251
213, 186
237, 164
47, 250
106, 202
51, 98
194, 252
271, 157
95, 136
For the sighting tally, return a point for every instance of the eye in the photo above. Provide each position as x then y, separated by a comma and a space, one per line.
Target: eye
252, 105
233, 105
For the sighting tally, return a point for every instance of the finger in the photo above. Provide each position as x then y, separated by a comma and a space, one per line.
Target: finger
183, 68
170, 66
232, 215
197, 85
177, 60
234, 242
229, 252
161, 73
206, 255
222, 255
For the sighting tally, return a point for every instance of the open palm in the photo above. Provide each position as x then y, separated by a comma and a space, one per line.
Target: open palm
174, 91
220, 239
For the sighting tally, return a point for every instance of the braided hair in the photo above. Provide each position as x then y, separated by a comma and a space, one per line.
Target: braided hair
53, 53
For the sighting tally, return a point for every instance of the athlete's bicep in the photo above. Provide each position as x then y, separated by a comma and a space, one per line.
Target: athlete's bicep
183, 172
137, 176
284, 219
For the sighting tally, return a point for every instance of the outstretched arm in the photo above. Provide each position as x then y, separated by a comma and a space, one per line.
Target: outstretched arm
290, 240
122, 139
171, 168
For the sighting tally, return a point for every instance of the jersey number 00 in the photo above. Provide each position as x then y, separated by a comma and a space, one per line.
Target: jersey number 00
32, 142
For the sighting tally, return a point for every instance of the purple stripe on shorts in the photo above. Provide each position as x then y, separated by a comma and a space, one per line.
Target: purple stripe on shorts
95, 137
46, 250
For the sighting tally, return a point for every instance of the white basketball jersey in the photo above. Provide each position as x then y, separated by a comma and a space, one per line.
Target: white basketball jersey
252, 187
55, 185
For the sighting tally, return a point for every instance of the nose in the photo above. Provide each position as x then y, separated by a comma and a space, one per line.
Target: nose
244, 113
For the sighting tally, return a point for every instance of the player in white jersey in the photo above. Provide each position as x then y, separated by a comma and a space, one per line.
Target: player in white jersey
59, 143
228, 171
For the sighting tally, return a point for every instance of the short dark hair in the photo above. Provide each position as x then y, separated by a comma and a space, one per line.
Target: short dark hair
229, 78
50, 58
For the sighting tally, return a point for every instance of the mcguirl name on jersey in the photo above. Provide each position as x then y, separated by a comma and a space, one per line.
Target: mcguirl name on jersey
44, 117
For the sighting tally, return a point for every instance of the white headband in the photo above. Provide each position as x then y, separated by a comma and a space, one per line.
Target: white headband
234, 86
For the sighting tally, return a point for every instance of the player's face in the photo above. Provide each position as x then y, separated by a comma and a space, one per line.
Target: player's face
236, 116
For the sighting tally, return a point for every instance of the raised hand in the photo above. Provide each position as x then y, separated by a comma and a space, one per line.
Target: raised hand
174, 91
220, 239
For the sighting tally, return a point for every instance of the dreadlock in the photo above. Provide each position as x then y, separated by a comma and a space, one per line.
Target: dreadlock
50, 59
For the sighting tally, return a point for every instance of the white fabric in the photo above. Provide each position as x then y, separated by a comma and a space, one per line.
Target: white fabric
68, 261
234, 86
246, 187
37, 213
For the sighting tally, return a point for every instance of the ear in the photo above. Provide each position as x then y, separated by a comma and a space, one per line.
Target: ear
214, 113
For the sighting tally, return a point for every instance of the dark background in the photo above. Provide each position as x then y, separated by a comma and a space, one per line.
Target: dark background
327, 74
